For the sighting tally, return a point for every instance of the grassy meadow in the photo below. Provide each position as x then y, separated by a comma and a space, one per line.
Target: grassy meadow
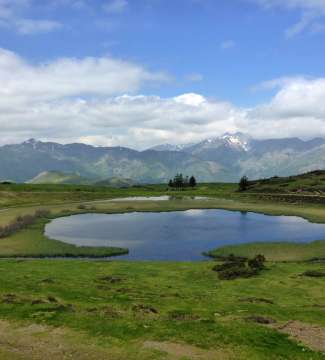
125, 307
113, 309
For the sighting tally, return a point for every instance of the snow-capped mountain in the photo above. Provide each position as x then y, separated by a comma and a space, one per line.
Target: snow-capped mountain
171, 147
223, 158
237, 141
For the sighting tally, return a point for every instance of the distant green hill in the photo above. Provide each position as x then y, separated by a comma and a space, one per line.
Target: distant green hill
116, 182
58, 177
312, 183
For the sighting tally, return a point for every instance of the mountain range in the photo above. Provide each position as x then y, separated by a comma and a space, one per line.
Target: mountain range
224, 158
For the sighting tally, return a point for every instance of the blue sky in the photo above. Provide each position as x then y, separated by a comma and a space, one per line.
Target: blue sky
246, 57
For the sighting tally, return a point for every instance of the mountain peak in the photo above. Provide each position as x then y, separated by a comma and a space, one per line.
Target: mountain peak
30, 141
237, 140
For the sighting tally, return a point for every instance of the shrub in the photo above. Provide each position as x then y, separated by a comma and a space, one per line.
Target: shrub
257, 262
237, 272
314, 273
42, 213
22, 221
238, 267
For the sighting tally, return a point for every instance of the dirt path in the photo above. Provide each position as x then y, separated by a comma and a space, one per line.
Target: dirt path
37, 342
180, 351
311, 336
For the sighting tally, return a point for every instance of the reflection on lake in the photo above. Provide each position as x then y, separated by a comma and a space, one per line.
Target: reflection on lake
159, 198
180, 235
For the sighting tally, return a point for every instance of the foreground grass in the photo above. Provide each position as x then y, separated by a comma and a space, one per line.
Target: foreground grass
120, 305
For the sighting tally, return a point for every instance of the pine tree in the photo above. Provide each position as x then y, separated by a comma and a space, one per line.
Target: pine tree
243, 183
192, 182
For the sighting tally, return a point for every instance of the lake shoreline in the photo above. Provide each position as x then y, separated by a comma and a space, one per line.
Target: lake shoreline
23, 243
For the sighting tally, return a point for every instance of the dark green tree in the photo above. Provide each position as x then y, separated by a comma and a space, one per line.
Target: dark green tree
171, 183
179, 181
243, 183
192, 182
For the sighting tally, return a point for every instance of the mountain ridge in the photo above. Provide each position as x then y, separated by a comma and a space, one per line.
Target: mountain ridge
224, 158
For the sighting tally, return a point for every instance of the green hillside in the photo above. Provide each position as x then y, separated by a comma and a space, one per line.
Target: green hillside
61, 178
311, 183
58, 177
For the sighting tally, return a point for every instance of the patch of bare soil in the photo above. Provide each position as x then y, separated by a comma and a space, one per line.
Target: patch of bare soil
180, 351
38, 342
311, 336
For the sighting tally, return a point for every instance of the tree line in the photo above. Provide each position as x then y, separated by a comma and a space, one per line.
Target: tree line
182, 182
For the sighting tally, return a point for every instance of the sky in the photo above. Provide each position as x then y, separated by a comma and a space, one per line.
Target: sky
139, 73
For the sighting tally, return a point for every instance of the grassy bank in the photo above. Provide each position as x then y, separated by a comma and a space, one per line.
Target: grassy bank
122, 306
31, 242
28, 194
274, 251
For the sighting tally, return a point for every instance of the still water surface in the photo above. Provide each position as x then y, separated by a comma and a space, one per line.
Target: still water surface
180, 235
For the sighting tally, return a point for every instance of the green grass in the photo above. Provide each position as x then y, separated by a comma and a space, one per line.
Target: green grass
191, 304
311, 183
42, 194
31, 242
275, 251
110, 301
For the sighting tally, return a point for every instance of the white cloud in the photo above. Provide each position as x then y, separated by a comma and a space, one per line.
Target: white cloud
311, 12
82, 100
30, 26
65, 77
115, 6
11, 17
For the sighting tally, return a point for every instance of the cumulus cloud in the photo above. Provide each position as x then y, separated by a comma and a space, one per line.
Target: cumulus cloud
84, 100
312, 12
21, 81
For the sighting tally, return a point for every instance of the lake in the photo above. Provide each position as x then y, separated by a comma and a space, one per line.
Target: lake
180, 235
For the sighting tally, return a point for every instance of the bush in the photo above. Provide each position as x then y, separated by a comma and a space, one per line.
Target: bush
237, 272
238, 267
22, 221
42, 213
229, 265
314, 273
257, 262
